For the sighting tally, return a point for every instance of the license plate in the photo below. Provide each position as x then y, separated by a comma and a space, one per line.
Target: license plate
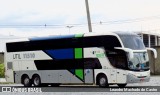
141, 80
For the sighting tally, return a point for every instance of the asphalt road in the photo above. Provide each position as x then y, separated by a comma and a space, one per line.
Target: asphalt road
75, 88
84, 90
131, 89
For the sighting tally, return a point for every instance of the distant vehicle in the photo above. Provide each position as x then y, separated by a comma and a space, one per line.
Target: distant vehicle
92, 58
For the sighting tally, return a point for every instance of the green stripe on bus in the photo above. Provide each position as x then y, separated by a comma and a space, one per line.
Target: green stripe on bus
78, 35
79, 73
78, 53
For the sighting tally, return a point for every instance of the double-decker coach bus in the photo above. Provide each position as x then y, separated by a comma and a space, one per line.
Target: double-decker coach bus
92, 58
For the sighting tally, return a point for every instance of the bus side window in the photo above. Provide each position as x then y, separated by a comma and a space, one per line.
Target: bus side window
77, 42
112, 61
88, 64
120, 62
93, 41
110, 42
92, 63
117, 59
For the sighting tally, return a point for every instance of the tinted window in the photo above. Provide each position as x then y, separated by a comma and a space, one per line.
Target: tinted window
85, 63
111, 42
117, 58
92, 63
93, 41
101, 41
132, 42
82, 42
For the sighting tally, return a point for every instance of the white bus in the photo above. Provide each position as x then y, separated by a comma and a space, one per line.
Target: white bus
93, 58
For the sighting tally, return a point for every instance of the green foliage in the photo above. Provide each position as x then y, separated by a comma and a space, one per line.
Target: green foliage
1, 70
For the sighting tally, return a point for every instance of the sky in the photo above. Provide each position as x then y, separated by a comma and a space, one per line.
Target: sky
26, 18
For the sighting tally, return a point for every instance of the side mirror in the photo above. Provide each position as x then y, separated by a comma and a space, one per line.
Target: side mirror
154, 51
126, 50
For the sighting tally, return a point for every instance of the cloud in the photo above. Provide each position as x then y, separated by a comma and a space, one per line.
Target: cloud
62, 12
40, 10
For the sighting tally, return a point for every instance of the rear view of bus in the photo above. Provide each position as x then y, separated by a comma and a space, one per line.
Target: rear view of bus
138, 60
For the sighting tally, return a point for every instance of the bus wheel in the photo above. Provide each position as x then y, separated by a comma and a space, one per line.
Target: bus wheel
102, 81
36, 80
26, 81
122, 85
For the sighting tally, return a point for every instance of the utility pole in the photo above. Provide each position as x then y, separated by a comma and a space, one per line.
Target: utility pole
69, 27
88, 16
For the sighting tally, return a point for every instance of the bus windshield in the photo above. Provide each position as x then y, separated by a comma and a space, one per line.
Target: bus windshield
139, 62
132, 42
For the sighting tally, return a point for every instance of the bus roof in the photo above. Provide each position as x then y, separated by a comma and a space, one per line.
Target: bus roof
71, 36
51, 37
125, 33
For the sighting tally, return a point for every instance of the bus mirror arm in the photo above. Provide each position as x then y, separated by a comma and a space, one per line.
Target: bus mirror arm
126, 50
154, 51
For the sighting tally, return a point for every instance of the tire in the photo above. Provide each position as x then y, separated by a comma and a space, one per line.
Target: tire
26, 81
122, 85
103, 81
36, 80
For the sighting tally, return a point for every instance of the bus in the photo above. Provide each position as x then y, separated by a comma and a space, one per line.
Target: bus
101, 59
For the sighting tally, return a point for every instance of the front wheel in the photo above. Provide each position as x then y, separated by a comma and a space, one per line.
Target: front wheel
102, 81
122, 85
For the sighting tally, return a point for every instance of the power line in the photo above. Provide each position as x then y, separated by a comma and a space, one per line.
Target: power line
80, 24
41, 26
130, 20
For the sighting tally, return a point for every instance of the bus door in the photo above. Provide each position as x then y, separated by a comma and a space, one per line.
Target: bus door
118, 60
121, 76
113, 75
88, 75
89, 65
121, 64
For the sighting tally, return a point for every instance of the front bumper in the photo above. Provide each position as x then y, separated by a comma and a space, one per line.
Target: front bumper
138, 77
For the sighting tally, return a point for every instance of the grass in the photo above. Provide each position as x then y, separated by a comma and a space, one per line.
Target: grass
1, 70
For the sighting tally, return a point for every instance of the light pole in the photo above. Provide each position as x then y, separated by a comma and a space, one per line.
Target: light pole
69, 27
88, 16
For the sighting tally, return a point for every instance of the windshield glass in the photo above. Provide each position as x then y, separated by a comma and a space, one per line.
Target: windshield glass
132, 42
139, 62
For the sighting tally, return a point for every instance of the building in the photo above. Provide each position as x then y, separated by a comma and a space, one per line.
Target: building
3, 39
150, 39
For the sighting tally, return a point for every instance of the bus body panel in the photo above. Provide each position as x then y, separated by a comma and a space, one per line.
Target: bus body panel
27, 55
121, 76
94, 59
